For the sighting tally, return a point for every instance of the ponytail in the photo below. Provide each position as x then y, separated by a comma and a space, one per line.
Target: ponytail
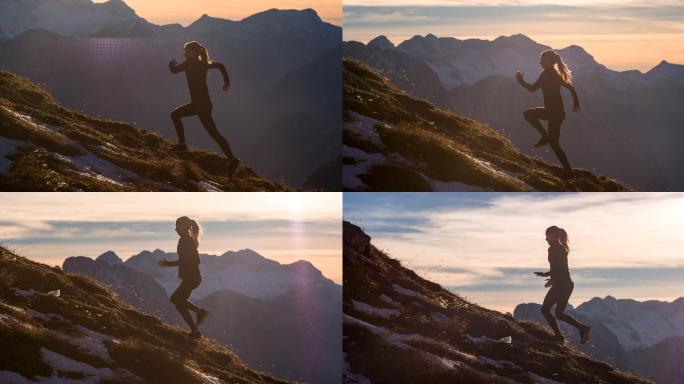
561, 234
563, 70
204, 54
190, 227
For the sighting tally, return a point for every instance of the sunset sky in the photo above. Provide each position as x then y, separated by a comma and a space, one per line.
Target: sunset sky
485, 246
185, 12
621, 34
286, 227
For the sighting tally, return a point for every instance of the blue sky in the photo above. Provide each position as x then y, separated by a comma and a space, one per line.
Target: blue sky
485, 246
286, 227
613, 31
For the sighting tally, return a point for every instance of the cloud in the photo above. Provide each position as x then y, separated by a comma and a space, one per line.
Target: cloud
482, 244
286, 227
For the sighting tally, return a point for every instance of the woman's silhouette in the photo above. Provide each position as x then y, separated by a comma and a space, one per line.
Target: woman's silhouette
550, 81
188, 271
196, 67
560, 283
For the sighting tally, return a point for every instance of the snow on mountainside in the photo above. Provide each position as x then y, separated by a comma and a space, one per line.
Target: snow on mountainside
645, 338
637, 324
67, 17
244, 271
61, 328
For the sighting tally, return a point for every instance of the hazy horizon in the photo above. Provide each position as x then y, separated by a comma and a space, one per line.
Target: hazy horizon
612, 31
486, 246
285, 227
184, 13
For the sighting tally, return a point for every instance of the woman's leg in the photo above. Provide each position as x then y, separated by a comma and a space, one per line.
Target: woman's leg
210, 126
549, 301
554, 142
533, 115
563, 296
179, 298
182, 111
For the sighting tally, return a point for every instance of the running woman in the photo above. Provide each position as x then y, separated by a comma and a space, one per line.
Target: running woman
555, 75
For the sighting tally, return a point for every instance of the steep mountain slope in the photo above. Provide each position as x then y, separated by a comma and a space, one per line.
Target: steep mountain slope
640, 337
87, 334
121, 72
283, 319
401, 328
622, 112
395, 142
44, 146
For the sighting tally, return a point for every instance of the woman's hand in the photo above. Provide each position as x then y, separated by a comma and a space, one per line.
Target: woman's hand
549, 283
226, 87
519, 75
173, 63
542, 274
164, 263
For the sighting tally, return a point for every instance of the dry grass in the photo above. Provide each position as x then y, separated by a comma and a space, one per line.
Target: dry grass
144, 345
447, 147
145, 153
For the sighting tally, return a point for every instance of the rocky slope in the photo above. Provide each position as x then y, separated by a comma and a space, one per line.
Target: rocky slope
401, 328
640, 337
283, 319
61, 328
394, 142
46, 147
622, 112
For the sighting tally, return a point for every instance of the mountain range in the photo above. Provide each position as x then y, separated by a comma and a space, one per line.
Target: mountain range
622, 113
64, 328
402, 328
396, 142
283, 319
640, 337
103, 59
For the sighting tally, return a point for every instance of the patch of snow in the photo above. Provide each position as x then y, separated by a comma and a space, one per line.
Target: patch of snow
541, 380
497, 363
29, 121
61, 363
7, 148
349, 377
505, 340
208, 186
390, 301
205, 378
24, 293
365, 161
45, 316
9, 377
92, 342
479, 339
438, 317
405, 291
453, 186
382, 312
364, 127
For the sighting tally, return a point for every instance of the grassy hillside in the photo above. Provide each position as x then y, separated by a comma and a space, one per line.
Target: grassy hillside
88, 334
395, 142
401, 328
46, 147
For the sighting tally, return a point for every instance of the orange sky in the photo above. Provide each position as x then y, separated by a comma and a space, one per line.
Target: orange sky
185, 12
